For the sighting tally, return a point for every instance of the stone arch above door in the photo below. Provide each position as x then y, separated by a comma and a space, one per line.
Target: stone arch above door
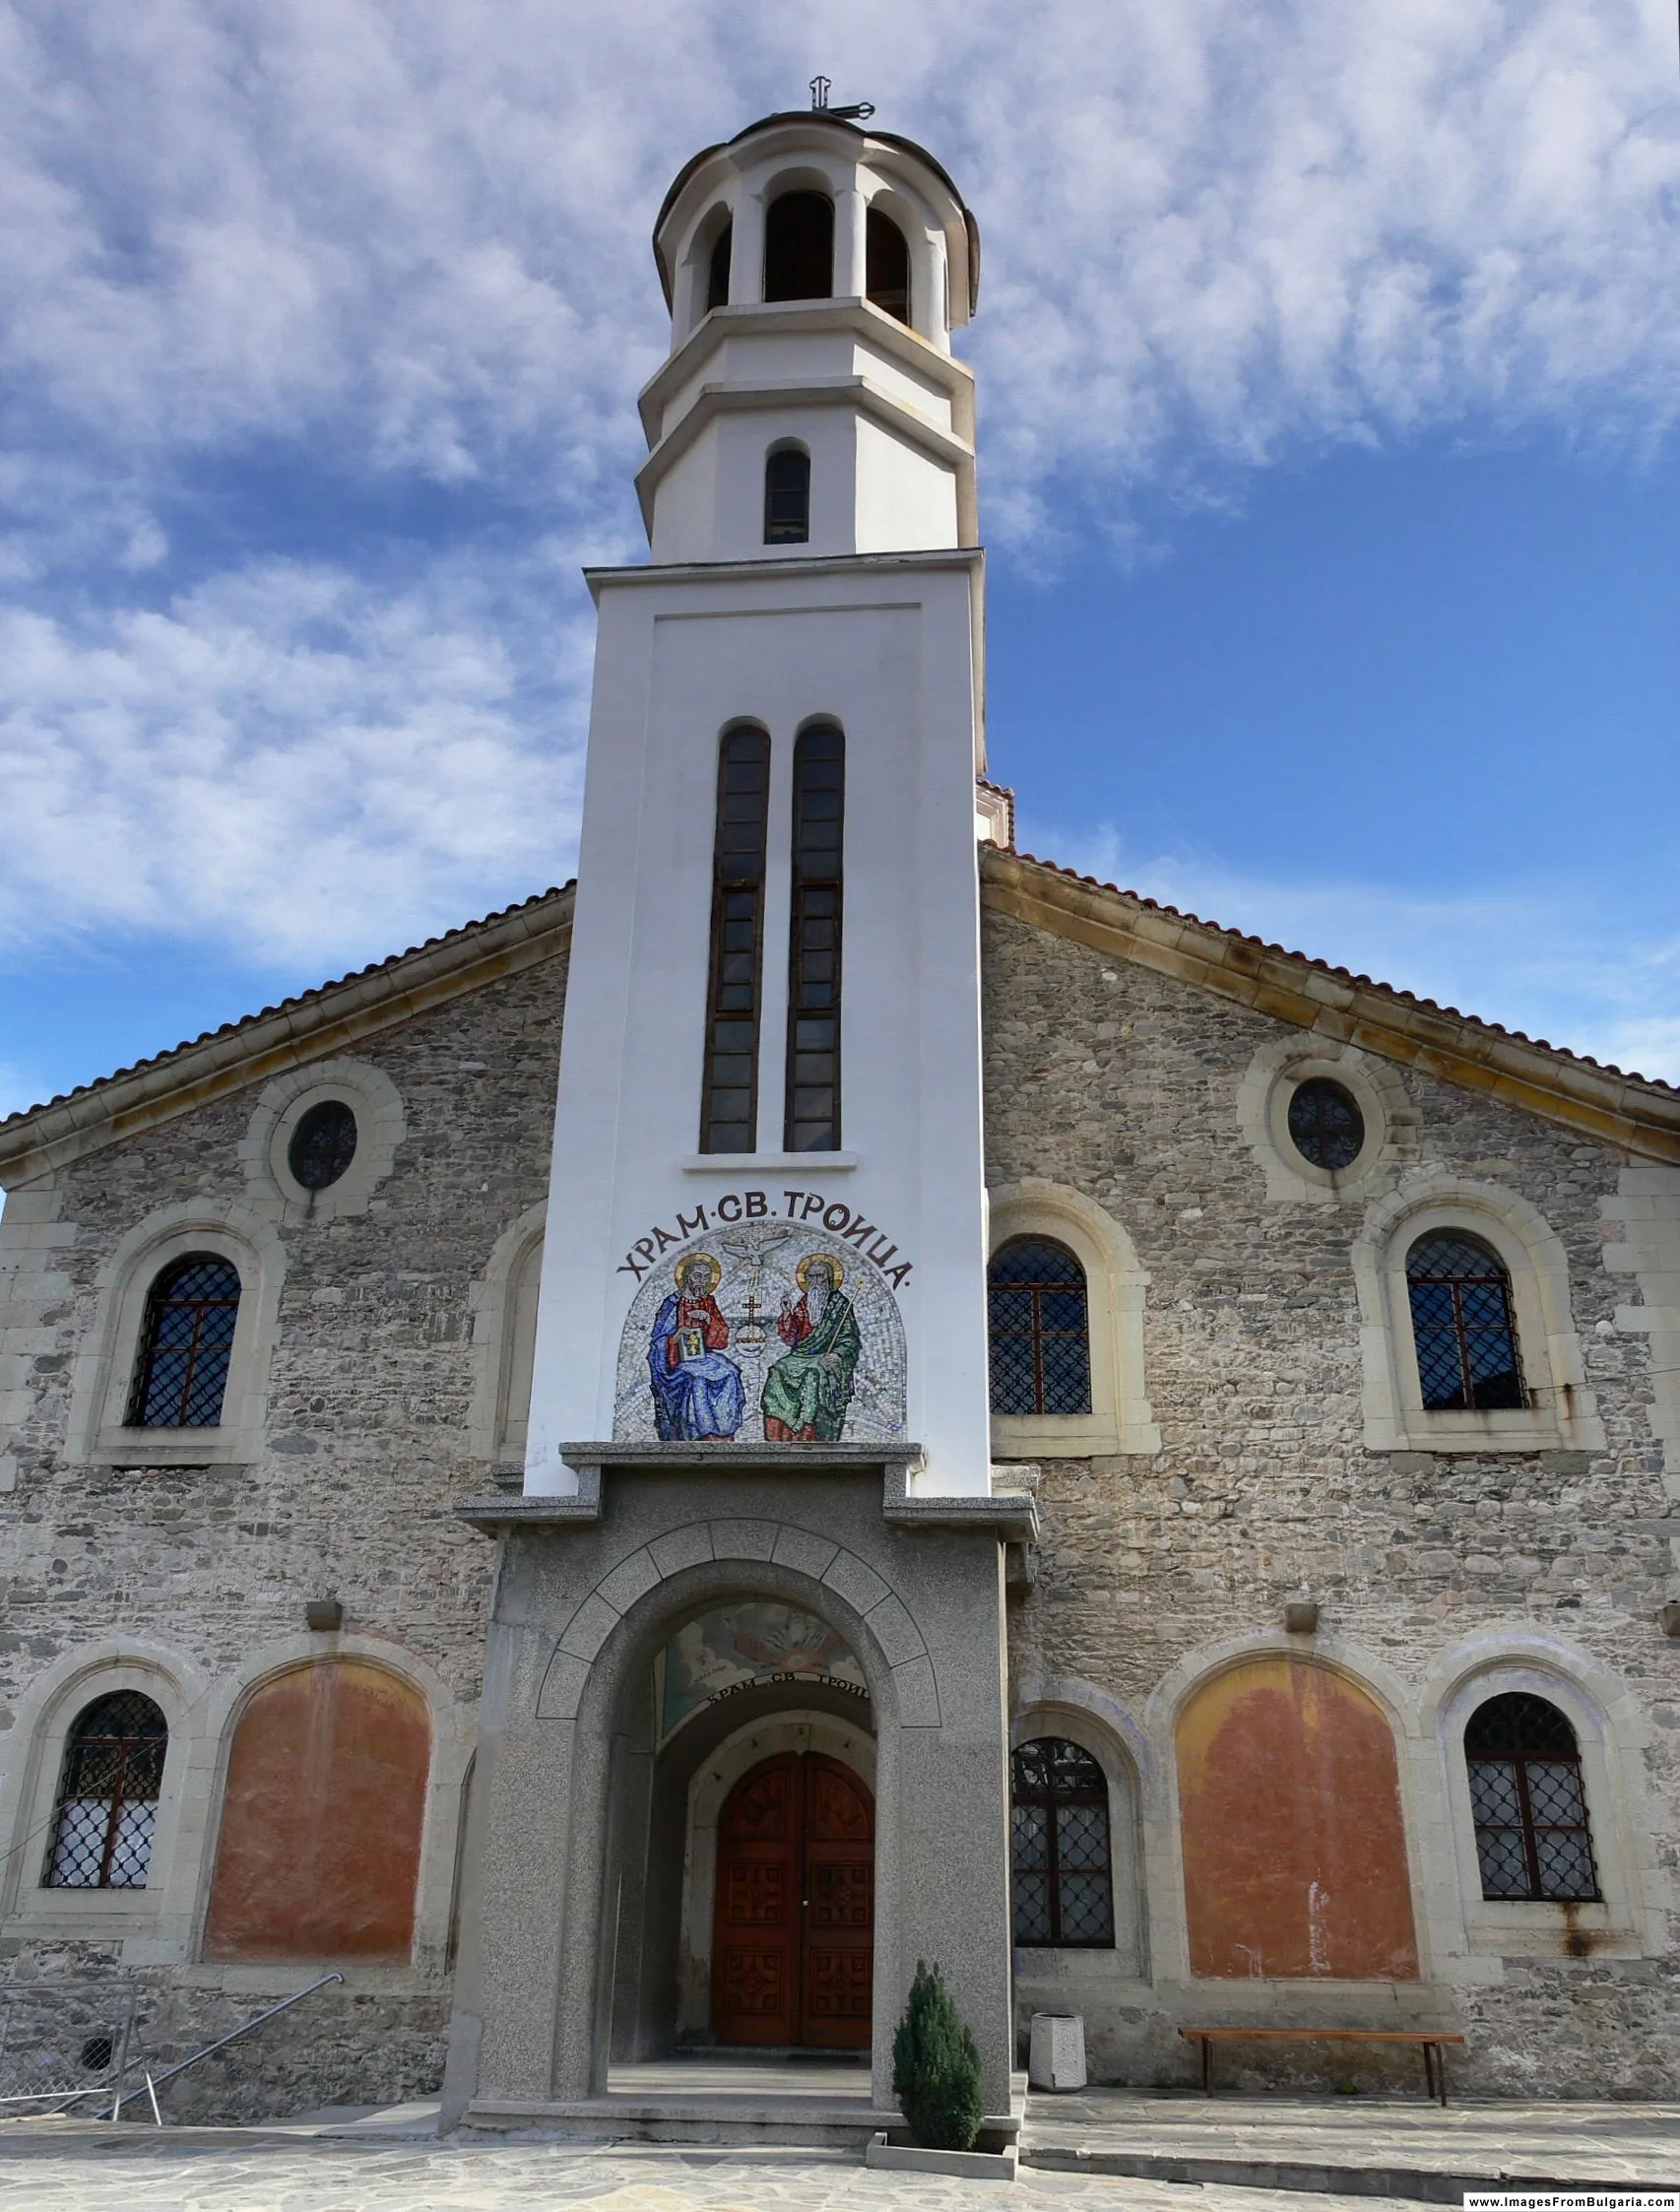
802, 1552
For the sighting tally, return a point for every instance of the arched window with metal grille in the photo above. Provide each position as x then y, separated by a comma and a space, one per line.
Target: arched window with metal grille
185, 1345
1533, 1839
1462, 1324
1062, 1874
107, 1795
1040, 1328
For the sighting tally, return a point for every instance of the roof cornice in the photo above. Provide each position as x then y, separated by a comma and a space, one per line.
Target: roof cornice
1642, 1116
326, 1020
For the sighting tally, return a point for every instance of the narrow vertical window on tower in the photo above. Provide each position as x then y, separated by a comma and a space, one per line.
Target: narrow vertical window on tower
787, 496
717, 271
887, 265
728, 1105
814, 980
798, 247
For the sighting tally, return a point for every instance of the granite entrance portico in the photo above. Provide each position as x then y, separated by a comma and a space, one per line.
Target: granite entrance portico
586, 1918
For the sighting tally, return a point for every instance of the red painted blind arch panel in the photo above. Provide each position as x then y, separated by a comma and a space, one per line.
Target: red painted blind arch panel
321, 1818
1294, 1847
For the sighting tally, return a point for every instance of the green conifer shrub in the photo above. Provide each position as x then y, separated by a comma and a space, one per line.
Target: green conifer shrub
935, 2067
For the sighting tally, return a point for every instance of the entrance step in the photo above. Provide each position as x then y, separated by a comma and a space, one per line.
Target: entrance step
819, 2123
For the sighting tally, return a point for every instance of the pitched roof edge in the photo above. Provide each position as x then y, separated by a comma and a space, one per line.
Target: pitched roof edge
1637, 1112
329, 1017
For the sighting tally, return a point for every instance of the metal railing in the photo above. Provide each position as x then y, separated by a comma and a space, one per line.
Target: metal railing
119, 2054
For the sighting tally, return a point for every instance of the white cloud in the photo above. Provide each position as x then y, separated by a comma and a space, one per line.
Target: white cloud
1549, 960
291, 763
382, 245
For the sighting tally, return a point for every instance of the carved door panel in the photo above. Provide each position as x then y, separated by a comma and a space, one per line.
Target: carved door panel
794, 1935
839, 1911
755, 1943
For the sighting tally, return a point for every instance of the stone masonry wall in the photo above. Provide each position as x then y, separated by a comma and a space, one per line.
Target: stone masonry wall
366, 1452
1122, 1084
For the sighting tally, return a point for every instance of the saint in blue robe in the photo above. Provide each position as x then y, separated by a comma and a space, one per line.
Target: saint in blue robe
701, 1395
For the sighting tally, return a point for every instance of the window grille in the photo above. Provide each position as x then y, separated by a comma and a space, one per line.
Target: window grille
107, 1800
185, 1345
886, 264
1062, 1877
798, 247
787, 497
323, 1145
1040, 1329
812, 1120
1325, 1125
1533, 1839
1467, 1343
729, 1108
716, 269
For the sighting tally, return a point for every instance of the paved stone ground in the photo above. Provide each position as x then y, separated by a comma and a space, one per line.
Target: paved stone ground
1625, 2145
60, 2167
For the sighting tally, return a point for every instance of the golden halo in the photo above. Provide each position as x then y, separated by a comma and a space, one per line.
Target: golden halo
802, 1273
697, 1260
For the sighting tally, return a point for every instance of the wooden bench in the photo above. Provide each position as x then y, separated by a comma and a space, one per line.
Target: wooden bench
1431, 2040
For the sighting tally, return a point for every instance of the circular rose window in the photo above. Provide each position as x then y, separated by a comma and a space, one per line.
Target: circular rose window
323, 1145
1325, 1125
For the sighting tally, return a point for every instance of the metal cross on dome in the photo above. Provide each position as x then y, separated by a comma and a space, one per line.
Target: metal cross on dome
860, 110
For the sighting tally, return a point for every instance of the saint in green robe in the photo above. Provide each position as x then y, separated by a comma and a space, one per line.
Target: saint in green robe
808, 1390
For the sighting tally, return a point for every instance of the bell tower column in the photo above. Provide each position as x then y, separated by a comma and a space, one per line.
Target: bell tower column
760, 1373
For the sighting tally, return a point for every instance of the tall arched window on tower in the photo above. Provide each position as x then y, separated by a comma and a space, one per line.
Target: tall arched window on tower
887, 265
1039, 1328
716, 269
107, 1794
1466, 1341
187, 1341
814, 980
798, 247
1533, 1839
729, 1107
787, 496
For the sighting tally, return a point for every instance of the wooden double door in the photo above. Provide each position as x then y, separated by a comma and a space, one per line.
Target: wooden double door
794, 1938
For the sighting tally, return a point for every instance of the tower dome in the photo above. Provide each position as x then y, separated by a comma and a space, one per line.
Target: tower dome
810, 404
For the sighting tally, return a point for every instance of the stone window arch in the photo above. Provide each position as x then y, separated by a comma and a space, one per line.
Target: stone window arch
1119, 1416
44, 1769
1467, 1709
112, 1417
1528, 1800
296, 1179
323, 1818
1291, 1073
504, 1345
1553, 1409
1292, 1827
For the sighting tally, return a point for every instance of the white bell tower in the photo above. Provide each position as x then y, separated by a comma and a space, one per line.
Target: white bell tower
766, 1224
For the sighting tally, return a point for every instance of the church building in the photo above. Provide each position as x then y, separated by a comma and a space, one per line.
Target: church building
834, 1394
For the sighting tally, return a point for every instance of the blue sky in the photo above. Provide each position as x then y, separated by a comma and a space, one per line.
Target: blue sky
1329, 361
